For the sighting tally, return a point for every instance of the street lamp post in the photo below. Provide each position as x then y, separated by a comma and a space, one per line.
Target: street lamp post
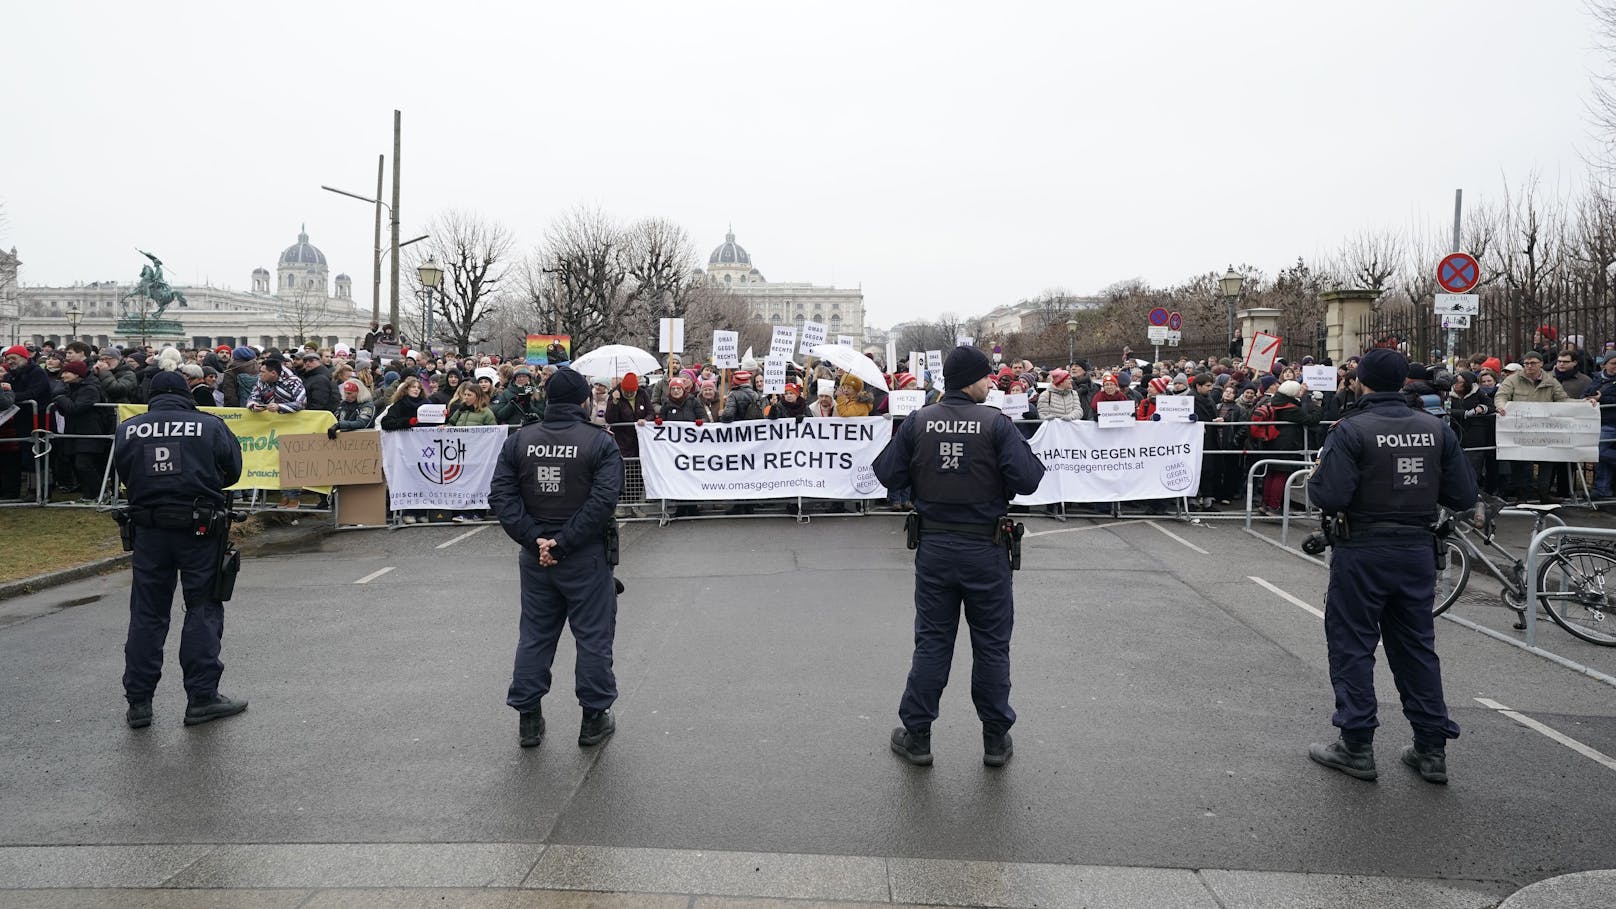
1230, 285
73, 316
392, 217
1071, 341
431, 275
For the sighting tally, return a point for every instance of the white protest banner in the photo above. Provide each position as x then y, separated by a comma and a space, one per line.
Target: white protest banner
1263, 351
934, 365
783, 342
387, 353
906, 402
964, 341
827, 458
813, 334
1319, 378
428, 414
447, 467
845, 340
774, 377
726, 349
1543, 431
671, 336
917, 367
1175, 408
1114, 414
1088, 463
827, 387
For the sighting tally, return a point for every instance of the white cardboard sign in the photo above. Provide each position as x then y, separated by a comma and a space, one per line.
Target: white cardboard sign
726, 349
671, 336
1115, 413
917, 367
934, 365
1262, 353
1175, 408
431, 413
845, 340
783, 342
906, 402
774, 376
813, 334
1319, 378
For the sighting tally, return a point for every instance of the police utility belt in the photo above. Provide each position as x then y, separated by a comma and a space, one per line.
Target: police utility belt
1003, 532
203, 519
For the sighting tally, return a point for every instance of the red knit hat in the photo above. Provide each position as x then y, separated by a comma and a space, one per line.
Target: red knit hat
18, 350
741, 377
903, 380
1159, 385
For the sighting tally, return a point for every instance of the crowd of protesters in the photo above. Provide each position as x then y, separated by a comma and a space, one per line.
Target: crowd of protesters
1248, 414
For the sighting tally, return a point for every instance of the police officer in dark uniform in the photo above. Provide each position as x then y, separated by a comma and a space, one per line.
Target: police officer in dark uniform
965, 461
555, 489
1386, 469
176, 462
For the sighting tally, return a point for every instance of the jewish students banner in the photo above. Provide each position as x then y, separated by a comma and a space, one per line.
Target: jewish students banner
825, 458
448, 467
1085, 462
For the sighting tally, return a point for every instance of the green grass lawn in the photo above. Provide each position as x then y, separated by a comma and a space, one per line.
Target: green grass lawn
48, 539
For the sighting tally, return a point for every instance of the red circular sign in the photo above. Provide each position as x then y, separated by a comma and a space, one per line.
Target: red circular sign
1175, 321
1458, 272
1158, 316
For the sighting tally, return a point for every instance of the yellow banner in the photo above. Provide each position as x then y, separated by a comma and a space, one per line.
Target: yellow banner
259, 432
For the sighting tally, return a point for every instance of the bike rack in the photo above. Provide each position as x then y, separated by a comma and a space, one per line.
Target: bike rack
1251, 474
1532, 549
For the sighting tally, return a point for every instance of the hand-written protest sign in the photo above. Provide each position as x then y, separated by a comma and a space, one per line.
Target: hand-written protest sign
903, 403
1088, 463
352, 458
934, 365
1014, 406
1543, 431
1264, 350
1175, 408
845, 340
726, 349
1319, 378
813, 334
783, 342
429, 414
1114, 413
774, 377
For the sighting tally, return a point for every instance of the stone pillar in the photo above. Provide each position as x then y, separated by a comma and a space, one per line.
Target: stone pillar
1344, 311
1255, 319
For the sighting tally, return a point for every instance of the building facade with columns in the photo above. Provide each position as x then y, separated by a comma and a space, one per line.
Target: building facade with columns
841, 310
305, 303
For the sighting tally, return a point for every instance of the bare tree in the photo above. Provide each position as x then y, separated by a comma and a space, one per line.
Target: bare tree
575, 282
307, 313
1368, 261
663, 277
1602, 99
473, 252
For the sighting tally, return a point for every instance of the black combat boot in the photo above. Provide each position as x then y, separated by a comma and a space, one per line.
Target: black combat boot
1430, 760
530, 728
996, 748
597, 725
914, 747
139, 715
207, 708
1356, 759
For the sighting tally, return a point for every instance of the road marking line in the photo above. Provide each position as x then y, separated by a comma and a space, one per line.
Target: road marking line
1287, 597
1555, 734
1175, 536
1045, 533
374, 575
447, 543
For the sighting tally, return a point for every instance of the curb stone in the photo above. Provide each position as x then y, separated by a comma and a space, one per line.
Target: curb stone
50, 579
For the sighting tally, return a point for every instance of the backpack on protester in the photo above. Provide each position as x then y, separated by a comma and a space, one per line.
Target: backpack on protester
1265, 428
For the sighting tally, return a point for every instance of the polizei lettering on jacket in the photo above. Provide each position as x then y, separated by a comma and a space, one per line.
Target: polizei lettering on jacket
955, 427
162, 429
552, 451
1404, 439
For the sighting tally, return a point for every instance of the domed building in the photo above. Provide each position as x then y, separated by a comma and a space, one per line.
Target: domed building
840, 310
304, 306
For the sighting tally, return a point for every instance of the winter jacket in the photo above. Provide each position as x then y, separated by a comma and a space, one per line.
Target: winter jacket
515, 410
238, 381
1233, 438
460, 415
81, 416
739, 405
1061, 405
625, 409
1293, 417
685, 410
1519, 388
786, 410
320, 393
401, 413
30, 383
1575, 383
1474, 419
354, 415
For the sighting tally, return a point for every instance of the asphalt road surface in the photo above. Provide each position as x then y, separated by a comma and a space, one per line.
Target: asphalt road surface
1168, 676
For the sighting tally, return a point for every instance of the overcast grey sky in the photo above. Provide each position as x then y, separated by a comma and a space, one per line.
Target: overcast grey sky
945, 157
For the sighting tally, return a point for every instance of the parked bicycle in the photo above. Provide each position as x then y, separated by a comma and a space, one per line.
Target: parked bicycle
1576, 581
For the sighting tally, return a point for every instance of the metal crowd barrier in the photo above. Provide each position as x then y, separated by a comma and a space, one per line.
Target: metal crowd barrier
15, 437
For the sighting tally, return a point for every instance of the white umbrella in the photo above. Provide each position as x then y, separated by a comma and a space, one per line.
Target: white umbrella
615, 360
852, 361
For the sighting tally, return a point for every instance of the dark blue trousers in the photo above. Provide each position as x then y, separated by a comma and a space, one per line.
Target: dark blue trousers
577, 592
160, 558
951, 570
1383, 592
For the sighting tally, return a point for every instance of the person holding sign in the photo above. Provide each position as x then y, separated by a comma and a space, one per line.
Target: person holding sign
1382, 473
964, 462
555, 490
